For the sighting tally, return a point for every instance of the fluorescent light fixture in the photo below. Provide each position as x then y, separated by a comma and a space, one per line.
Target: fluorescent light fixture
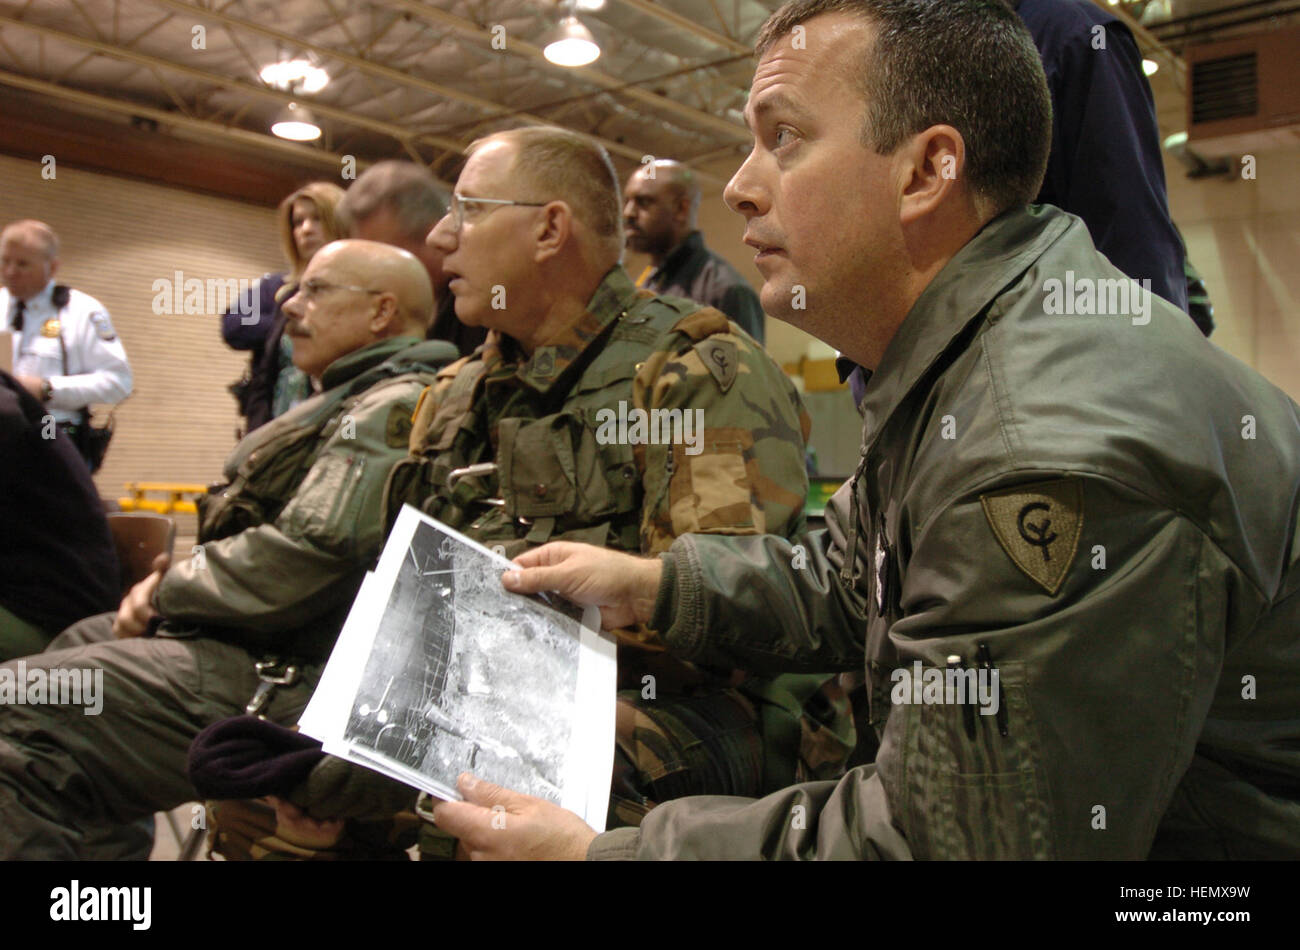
296, 74
1177, 140
571, 44
589, 6
1149, 66
296, 123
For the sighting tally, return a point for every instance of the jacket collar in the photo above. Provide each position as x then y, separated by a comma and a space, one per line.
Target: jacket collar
38, 303
959, 294
548, 364
691, 246
349, 367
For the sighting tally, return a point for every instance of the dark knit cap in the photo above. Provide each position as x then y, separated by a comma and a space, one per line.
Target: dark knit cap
247, 757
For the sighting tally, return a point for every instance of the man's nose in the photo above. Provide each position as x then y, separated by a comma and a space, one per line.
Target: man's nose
743, 193
443, 236
293, 306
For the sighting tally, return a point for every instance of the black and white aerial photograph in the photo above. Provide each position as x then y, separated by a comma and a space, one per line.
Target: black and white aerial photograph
458, 681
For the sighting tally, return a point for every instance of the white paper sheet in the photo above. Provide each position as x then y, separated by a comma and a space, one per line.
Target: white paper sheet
439, 669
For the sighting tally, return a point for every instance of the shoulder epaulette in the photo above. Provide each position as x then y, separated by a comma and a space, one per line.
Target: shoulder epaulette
703, 323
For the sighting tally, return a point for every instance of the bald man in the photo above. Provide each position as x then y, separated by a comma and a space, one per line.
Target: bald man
247, 621
66, 353
660, 205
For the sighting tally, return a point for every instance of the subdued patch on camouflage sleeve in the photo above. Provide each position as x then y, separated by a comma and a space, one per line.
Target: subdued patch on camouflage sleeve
711, 491
397, 428
721, 360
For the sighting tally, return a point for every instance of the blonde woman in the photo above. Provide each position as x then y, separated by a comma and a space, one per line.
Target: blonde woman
308, 221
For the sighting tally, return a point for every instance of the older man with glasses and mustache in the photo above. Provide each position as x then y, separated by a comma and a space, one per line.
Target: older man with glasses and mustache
245, 623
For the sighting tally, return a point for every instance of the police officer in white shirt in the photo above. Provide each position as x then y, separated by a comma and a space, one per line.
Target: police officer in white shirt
65, 351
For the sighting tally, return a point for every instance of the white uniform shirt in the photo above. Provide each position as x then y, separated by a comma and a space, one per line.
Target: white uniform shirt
96, 370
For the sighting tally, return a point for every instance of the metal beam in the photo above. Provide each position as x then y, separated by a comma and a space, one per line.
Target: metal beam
239, 85
589, 74
687, 25
199, 126
375, 69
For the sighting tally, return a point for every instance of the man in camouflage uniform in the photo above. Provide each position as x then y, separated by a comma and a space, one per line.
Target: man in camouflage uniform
249, 619
521, 444
1088, 512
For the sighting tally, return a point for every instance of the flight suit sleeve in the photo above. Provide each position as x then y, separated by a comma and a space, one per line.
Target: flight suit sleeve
274, 577
738, 466
1102, 690
94, 348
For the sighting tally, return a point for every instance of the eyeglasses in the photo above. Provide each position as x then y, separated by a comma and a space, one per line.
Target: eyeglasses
458, 202
310, 289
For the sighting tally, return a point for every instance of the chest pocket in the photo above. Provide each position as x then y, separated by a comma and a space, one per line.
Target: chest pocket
557, 467
41, 356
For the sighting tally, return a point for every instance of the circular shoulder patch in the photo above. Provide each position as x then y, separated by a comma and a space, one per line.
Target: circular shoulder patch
103, 328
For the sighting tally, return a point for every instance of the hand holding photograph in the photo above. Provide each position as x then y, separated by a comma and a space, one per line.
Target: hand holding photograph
439, 670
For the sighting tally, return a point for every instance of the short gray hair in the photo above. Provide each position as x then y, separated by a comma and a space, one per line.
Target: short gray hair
39, 230
558, 164
413, 194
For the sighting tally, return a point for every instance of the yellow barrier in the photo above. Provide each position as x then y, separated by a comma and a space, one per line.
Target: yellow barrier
175, 492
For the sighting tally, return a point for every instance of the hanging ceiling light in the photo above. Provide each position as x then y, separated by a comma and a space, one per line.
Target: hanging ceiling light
296, 123
571, 44
298, 74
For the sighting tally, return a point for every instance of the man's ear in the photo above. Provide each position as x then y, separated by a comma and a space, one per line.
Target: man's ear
54, 269
682, 209
933, 171
387, 318
552, 230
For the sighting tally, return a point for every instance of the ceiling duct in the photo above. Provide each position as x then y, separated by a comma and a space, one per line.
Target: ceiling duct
1244, 94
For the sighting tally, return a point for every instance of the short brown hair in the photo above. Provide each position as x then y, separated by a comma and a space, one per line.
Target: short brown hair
557, 164
970, 64
325, 195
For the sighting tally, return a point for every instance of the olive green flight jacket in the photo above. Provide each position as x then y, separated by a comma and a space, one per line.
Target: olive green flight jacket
1099, 506
283, 546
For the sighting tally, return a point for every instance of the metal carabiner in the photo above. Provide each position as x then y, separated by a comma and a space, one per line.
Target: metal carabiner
472, 471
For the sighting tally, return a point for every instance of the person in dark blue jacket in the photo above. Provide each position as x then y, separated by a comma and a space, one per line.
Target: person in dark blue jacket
1104, 164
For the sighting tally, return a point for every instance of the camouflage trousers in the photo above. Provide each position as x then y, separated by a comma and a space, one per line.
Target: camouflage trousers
709, 743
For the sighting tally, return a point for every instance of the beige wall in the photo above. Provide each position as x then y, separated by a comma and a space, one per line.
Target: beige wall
118, 237
1244, 238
